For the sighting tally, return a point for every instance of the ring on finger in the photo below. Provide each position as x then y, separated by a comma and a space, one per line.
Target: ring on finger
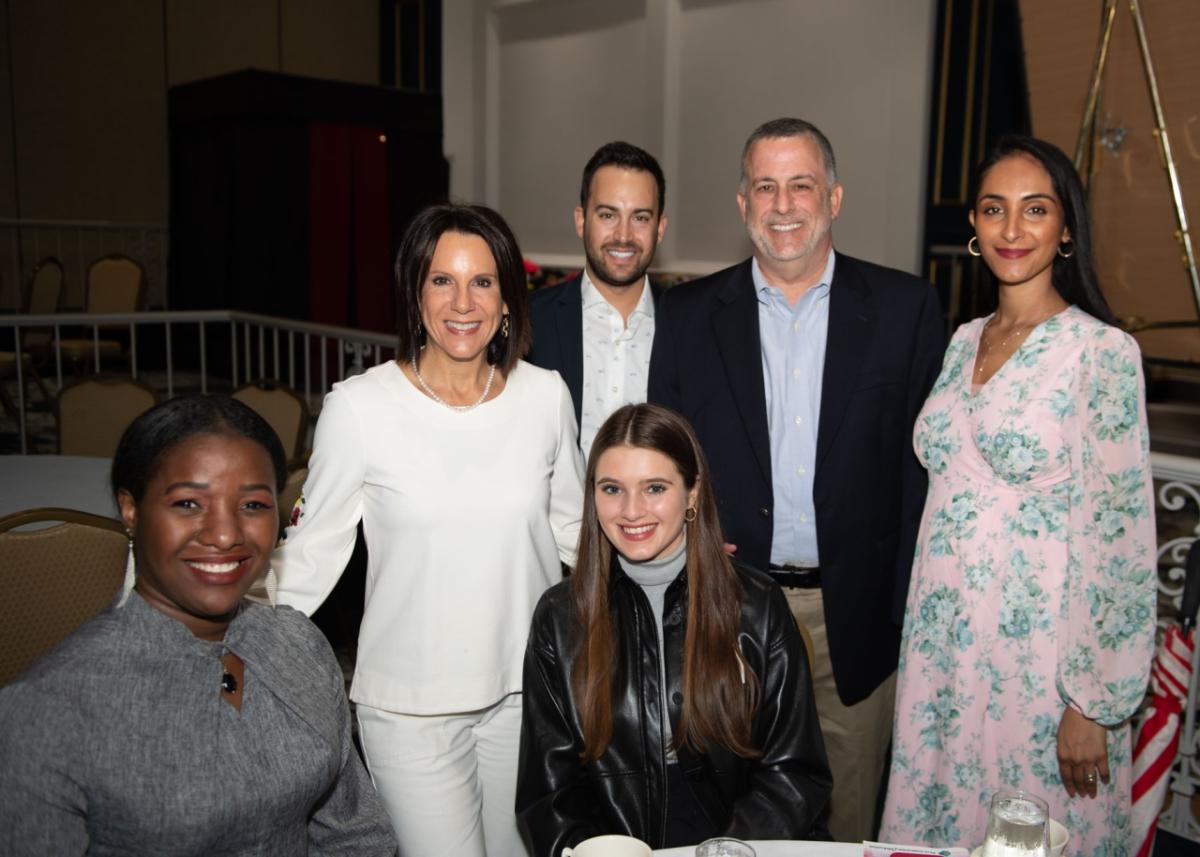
1091, 777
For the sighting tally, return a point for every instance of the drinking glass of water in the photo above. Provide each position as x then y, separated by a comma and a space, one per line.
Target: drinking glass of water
1017, 826
723, 846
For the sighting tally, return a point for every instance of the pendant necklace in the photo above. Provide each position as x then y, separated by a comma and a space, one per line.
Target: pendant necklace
986, 346
228, 682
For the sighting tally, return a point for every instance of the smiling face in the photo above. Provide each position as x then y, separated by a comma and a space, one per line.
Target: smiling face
204, 529
1018, 219
461, 305
622, 226
640, 501
787, 202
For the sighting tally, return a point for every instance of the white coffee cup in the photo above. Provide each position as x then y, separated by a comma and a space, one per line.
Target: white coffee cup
609, 846
1058, 838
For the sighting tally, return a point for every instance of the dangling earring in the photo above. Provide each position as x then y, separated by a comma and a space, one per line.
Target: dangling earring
497, 348
1068, 254
974, 241
272, 584
689, 514
130, 575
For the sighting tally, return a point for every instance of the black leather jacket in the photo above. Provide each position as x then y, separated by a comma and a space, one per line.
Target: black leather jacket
561, 801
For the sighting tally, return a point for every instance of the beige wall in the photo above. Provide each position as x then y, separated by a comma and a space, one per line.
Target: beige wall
532, 87
1138, 257
544, 82
83, 126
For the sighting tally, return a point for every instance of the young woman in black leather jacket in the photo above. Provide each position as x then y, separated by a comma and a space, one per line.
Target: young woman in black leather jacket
666, 692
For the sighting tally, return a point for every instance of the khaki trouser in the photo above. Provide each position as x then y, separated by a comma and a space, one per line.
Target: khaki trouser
856, 736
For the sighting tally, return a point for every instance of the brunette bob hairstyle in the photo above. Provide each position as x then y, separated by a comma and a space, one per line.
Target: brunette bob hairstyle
718, 705
412, 266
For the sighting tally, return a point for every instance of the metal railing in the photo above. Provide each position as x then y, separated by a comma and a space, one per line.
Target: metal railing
1177, 490
76, 244
242, 346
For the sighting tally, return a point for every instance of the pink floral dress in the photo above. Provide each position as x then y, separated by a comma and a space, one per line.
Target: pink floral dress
1033, 585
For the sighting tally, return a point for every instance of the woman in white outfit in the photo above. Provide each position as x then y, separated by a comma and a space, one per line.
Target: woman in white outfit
461, 462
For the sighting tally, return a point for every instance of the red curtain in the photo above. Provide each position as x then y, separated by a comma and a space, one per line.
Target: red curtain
350, 280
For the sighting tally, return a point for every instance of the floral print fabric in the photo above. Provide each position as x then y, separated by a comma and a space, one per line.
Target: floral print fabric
1033, 586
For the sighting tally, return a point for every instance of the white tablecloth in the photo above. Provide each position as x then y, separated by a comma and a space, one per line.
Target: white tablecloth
63, 481
781, 848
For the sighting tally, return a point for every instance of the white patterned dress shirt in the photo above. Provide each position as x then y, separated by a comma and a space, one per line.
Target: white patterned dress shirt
616, 358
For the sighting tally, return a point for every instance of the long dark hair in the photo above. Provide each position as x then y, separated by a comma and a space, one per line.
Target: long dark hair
1074, 278
718, 703
412, 266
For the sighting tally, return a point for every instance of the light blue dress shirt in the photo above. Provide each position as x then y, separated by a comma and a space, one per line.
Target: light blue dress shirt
793, 360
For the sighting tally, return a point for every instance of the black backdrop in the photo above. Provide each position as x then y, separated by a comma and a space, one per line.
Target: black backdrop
242, 228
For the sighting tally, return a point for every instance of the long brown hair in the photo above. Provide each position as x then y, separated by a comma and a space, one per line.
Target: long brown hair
720, 691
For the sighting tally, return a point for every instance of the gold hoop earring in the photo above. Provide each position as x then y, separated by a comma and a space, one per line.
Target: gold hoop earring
689, 514
974, 240
1068, 254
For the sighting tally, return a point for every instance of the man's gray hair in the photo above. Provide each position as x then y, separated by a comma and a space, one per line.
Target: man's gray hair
788, 127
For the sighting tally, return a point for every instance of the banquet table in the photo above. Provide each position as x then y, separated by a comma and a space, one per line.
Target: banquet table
781, 848
62, 481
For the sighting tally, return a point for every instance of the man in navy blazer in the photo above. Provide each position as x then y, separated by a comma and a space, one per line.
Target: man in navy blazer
597, 329
802, 371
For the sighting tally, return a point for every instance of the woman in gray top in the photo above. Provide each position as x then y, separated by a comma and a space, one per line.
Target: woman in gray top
183, 720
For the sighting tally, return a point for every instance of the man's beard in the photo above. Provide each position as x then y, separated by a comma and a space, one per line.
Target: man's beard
599, 265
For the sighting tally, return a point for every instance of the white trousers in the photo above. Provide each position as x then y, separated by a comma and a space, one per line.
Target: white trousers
448, 781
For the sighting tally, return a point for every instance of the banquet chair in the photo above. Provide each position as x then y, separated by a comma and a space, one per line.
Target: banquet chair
41, 298
53, 579
94, 412
290, 494
114, 283
284, 410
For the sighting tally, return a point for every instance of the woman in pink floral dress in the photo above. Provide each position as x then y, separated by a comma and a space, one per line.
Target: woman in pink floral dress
1030, 621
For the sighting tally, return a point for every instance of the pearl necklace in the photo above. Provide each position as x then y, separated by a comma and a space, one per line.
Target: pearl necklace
487, 388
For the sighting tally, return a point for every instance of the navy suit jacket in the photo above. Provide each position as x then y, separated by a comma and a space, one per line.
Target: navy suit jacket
556, 314
884, 350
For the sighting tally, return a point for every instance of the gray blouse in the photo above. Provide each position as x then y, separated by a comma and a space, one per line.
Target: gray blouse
118, 742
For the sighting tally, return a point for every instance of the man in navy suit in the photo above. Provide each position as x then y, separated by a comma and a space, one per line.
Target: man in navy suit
597, 329
802, 370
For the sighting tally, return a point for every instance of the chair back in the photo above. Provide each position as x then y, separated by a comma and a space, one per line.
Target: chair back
45, 287
94, 412
290, 494
283, 408
54, 579
45, 291
115, 284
